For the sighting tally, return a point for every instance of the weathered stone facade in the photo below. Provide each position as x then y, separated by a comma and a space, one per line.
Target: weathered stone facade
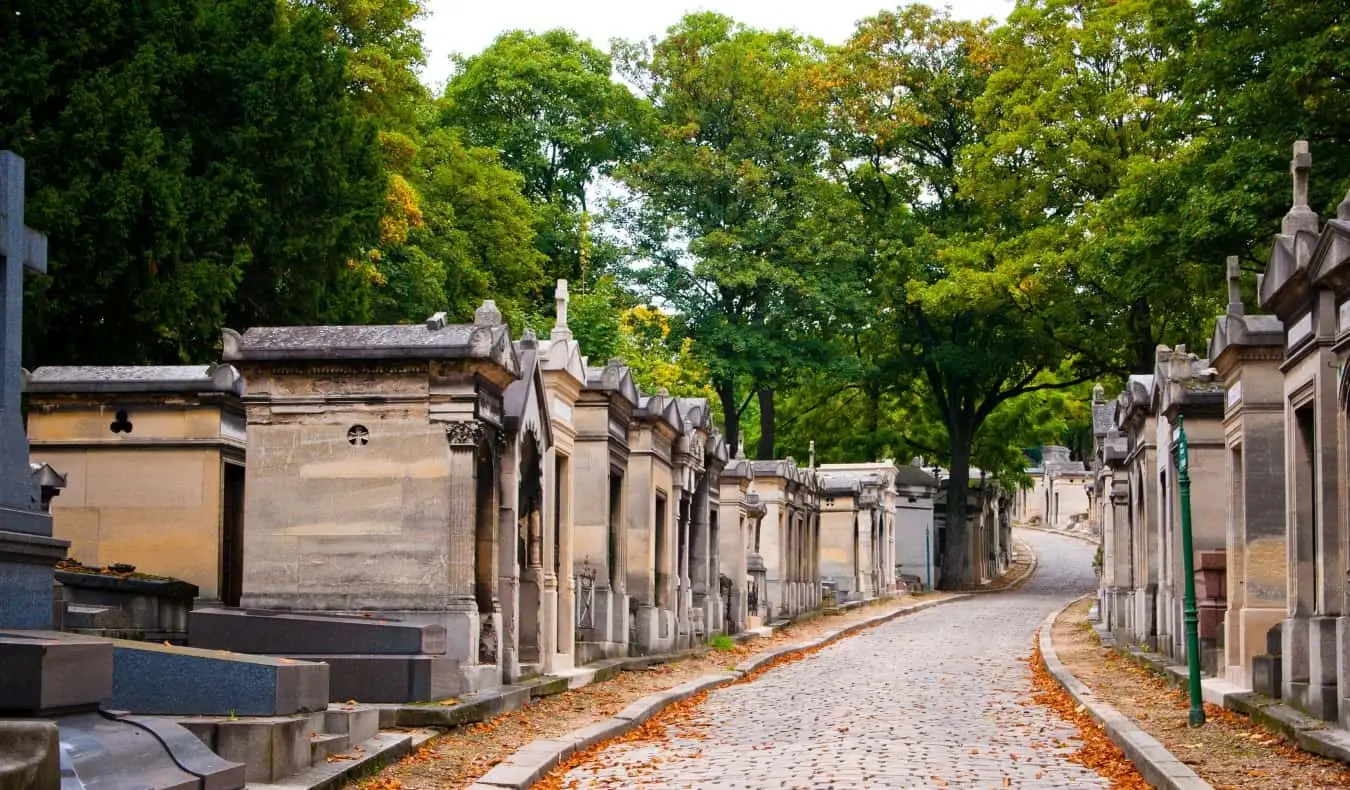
154, 457
1266, 424
789, 537
376, 484
858, 517
1247, 352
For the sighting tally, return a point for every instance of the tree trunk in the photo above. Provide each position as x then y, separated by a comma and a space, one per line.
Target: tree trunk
957, 565
1141, 342
765, 452
726, 393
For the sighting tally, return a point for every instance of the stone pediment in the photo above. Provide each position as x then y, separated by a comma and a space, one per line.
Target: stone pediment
486, 339
696, 413
1185, 381
1136, 400
1245, 331
738, 469
716, 450
563, 355
1330, 265
614, 378
663, 409
838, 485
95, 380
528, 393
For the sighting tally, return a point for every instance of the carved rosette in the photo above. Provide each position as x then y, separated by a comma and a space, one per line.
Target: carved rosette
467, 433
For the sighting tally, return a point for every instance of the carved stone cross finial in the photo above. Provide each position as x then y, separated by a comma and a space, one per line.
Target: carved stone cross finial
1301, 164
23, 249
1300, 217
560, 329
1234, 286
487, 314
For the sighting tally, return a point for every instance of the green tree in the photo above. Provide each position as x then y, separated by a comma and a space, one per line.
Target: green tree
194, 164
476, 239
547, 103
1077, 109
726, 188
981, 312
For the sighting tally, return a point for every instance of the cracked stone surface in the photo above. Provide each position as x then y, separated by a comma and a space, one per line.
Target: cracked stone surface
934, 699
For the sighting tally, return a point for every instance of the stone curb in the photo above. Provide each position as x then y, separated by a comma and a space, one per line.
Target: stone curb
1313, 735
1157, 765
1061, 532
1015, 583
532, 761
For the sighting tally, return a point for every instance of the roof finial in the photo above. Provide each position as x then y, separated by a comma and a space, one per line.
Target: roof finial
1234, 286
560, 328
1300, 217
487, 314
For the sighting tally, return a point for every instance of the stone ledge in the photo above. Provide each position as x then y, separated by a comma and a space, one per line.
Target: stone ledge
1016, 582
1062, 532
1309, 733
531, 762
1157, 765
375, 753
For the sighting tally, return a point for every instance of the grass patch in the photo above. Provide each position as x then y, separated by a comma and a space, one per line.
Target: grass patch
721, 642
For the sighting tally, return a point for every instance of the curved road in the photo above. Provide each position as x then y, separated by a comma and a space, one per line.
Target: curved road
934, 699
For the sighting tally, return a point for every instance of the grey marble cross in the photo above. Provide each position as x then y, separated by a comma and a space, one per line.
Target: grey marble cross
22, 249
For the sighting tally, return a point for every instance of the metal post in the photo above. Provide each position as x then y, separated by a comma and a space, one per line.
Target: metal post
1192, 617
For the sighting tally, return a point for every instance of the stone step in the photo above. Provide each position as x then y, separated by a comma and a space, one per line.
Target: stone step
323, 744
358, 722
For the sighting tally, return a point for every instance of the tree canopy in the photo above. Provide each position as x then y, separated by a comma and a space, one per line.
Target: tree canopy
926, 240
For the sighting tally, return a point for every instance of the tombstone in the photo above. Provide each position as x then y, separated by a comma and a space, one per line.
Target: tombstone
737, 539
699, 456
53, 681
157, 455
373, 504
789, 538
858, 528
530, 613
1294, 289
564, 375
658, 527
604, 413
1247, 351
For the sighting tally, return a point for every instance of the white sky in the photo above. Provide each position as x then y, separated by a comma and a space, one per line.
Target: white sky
468, 27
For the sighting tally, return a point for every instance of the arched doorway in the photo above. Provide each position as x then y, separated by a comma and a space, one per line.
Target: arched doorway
530, 545
485, 549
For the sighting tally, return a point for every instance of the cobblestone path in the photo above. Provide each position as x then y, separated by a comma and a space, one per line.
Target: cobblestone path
934, 699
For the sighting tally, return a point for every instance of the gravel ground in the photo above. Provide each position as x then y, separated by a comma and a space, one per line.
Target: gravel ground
941, 698
460, 756
1228, 752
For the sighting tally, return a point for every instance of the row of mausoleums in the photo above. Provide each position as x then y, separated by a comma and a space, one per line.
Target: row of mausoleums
522, 510
1266, 419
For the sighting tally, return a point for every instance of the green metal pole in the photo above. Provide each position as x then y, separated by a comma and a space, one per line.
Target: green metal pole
1192, 616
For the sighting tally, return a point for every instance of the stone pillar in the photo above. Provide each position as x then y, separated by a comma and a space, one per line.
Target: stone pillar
466, 440
699, 556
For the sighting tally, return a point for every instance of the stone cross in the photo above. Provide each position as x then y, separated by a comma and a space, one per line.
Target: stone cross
1299, 166
22, 249
1300, 217
1234, 286
560, 329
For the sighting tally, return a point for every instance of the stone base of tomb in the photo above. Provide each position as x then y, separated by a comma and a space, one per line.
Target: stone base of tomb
61, 679
655, 630
1323, 700
384, 657
26, 562
1245, 639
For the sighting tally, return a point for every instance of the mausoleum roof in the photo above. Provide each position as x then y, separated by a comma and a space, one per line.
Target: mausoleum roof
487, 338
89, 379
1245, 331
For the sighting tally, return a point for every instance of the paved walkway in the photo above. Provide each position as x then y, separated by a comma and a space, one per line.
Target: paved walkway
935, 699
